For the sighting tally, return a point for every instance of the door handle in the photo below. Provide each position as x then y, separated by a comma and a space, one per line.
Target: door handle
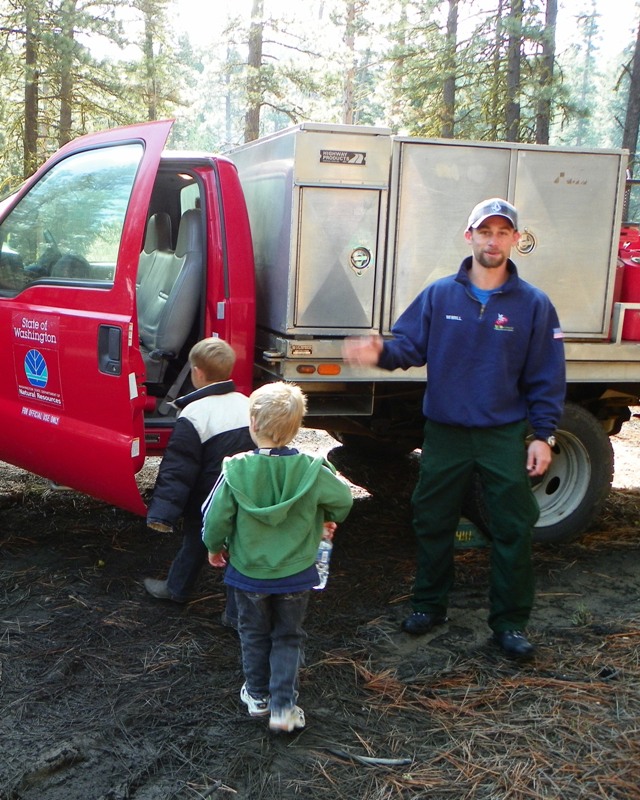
110, 349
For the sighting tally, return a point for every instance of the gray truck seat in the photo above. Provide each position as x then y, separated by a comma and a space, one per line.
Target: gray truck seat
157, 239
169, 298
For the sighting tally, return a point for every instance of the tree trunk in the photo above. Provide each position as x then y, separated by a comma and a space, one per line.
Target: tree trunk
543, 116
228, 115
449, 87
149, 13
397, 66
65, 49
514, 58
591, 28
348, 90
254, 82
632, 116
493, 102
31, 91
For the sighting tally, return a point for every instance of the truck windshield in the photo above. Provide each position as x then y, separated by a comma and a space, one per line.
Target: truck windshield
67, 228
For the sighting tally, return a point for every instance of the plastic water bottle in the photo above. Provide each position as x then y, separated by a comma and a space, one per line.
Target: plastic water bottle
322, 562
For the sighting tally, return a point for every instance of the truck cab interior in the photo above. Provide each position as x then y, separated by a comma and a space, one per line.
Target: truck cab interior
169, 287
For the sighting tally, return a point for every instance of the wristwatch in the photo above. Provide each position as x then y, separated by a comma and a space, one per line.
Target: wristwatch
550, 440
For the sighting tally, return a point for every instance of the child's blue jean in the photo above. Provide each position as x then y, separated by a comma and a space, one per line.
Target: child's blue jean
272, 640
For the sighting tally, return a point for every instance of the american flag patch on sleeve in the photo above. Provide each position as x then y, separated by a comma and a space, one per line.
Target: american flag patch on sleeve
557, 333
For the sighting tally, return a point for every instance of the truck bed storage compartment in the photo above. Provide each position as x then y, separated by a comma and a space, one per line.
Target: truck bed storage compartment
566, 199
316, 196
349, 224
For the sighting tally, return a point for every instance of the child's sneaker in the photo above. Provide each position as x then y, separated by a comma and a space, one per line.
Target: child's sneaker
287, 720
257, 706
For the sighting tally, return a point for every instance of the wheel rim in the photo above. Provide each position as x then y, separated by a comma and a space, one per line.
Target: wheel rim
562, 489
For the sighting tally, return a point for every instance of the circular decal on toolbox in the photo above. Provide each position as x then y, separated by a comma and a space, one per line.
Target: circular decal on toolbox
360, 258
35, 368
526, 243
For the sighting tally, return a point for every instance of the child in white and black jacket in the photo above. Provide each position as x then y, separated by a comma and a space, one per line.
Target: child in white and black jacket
213, 423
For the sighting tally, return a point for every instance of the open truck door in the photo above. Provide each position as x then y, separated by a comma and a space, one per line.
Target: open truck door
72, 396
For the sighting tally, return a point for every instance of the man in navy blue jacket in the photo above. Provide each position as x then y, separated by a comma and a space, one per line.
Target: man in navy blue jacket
494, 350
213, 422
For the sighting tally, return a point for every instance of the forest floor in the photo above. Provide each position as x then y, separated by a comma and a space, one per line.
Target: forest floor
107, 694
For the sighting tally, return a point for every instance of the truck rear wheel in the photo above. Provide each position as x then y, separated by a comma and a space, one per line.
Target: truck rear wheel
574, 488
572, 491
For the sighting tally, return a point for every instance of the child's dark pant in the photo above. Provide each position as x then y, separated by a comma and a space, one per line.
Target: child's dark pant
272, 639
189, 560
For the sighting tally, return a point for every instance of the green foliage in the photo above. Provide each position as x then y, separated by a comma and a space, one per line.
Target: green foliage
78, 90
596, 89
381, 62
478, 65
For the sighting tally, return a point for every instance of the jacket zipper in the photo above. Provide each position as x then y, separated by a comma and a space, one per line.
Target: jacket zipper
483, 306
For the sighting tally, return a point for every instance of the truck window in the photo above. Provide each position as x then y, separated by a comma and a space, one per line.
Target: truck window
189, 197
67, 228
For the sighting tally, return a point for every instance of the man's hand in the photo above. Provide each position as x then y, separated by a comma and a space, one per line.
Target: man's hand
538, 458
362, 351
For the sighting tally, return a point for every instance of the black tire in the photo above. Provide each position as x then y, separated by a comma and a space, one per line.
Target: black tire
574, 488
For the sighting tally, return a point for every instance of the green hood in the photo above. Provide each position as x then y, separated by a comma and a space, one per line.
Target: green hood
269, 511
267, 487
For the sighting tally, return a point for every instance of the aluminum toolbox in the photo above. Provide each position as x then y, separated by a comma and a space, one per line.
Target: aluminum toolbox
317, 201
349, 223
570, 208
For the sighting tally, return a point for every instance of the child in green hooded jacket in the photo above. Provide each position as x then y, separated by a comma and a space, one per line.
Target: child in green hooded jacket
266, 516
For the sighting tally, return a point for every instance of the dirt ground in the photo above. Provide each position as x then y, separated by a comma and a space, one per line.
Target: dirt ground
106, 694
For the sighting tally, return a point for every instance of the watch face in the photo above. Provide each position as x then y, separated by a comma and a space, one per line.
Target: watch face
551, 441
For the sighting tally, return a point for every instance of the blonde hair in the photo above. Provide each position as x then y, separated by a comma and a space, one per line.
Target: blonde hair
214, 357
277, 410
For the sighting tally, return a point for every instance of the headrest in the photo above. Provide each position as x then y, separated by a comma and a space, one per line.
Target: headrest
190, 232
158, 232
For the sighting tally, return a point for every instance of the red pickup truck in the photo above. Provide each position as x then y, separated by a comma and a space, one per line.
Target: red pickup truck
105, 255
116, 256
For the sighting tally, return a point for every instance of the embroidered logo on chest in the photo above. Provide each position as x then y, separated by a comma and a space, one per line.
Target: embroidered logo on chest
502, 323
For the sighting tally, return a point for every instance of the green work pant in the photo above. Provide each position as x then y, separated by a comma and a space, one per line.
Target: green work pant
449, 457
